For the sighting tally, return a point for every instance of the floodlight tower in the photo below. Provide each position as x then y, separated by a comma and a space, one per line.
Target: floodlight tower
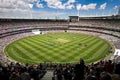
78, 14
30, 6
78, 9
119, 10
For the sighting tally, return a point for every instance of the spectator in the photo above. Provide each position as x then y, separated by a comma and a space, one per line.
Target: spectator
25, 75
109, 67
117, 68
105, 76
15, 76
91, 76
79, 70
59, 73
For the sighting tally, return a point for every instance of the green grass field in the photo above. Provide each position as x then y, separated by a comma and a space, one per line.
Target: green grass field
58, 48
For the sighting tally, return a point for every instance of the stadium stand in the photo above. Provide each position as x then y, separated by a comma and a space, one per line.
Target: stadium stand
97, 71
98, 23
16, 71
16, 26
14, 29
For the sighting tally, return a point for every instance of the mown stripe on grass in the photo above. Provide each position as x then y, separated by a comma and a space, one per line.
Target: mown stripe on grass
18, 58
43, 54
21, 53
99, 54
34, 51
85, 50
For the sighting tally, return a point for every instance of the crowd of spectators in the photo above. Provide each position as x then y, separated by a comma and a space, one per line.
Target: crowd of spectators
104, 23
103, 70
16, 71
117, 44
8, 26
7, 40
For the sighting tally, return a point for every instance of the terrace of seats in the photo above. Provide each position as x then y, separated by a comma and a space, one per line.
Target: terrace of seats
18, 24
98, 23
106, 26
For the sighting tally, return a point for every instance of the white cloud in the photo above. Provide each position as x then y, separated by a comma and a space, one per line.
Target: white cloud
24, 4
26, 14
30, 5
54, 3
86, 7
115, 7
47, 14
69, 4
11, 10
71, 1
39, 5
78, 6
13, 4
57, 4
89, 6
103, 6
18, 5
21, 9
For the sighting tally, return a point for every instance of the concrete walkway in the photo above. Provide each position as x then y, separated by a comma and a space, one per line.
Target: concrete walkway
48, 75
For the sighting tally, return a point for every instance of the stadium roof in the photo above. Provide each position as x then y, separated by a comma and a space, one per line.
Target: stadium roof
98, 17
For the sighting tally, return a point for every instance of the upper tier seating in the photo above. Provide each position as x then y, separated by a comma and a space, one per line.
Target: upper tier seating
12, 25
104, 23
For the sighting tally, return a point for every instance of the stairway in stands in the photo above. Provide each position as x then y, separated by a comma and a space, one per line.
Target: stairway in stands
48, 75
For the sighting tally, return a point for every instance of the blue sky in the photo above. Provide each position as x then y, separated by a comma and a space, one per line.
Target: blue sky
57, 8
